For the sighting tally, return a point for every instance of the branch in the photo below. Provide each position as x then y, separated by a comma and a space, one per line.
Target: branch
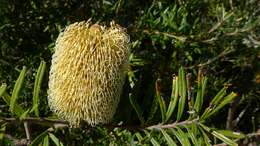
61, 124
172, 125
39, 121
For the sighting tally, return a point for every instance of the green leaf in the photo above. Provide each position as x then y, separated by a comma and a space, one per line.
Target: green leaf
2, 131
37, 87
219, 96
160, 101
207, 141
18, 110
154, 142
191, 135
184, 136
46, 141
182, 93
55, 140
2, 89
182, 139
174, 98
136, 107
139, 136
200, 94
219, 136
231, 134
214, 102
24, 115
226, 100
168, 138
39, 139
153, 110
17, 88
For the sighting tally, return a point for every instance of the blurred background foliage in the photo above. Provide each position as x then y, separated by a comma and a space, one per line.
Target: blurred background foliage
220, 38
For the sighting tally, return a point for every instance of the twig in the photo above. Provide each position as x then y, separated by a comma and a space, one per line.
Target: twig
60, 123
39, 121
222, 54
216, 26
161, 126
230, 117
27, 131
180, 38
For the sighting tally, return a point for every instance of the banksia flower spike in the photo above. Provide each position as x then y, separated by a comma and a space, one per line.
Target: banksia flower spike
87, 72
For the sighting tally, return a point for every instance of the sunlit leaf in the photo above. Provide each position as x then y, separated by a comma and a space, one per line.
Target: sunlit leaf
46, 140
139, 136
2, 89
184, 136
191, 135
17, 88
24, 115
55, 140
37, 87
154, 142
231, 134
207, 141
182, 93
219, 96
168, 138
174, 98
219, 136
18, 110
226, 100
180, 137
200, 94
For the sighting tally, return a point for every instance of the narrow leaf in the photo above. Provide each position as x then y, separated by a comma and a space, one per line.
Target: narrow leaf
37, 87
153, 110
207, 141
174, 98
2, 89
46, 141
226, 100
231, 134
219, 136
17, 88
168, 138
180, 137
139, 136
219, 96
184, 136
154, 142
39, 138
2, 131
24, 115
55, 140
191, 135
160, 100
182, 92
136, 107
200, 94
18, 110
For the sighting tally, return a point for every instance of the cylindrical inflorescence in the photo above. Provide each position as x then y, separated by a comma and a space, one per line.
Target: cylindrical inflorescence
87, 72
